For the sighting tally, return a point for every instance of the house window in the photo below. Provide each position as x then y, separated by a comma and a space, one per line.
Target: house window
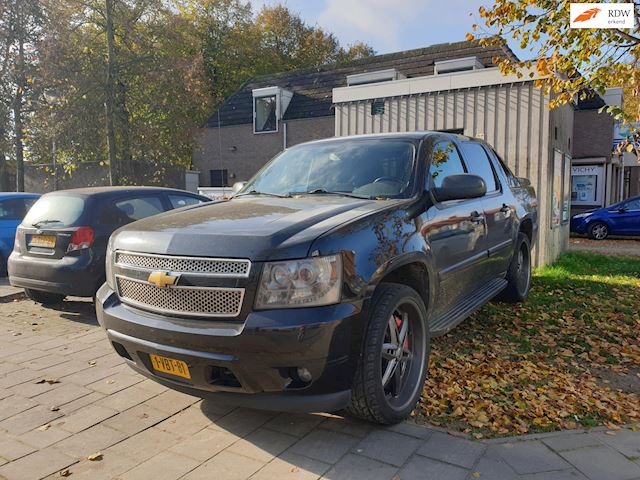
265, 119
377, 107
219, 178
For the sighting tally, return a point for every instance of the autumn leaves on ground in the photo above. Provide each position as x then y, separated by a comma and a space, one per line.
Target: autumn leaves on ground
569, 357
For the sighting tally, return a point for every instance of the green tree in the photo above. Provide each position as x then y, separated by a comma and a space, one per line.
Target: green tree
572, 61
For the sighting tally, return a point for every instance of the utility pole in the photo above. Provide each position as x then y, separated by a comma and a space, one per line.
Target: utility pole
109, 108
17, 113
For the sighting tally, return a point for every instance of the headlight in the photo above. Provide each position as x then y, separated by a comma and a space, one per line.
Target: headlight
108, 266
582, 215
300, 283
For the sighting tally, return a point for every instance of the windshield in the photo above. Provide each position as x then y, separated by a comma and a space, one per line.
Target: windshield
56, 211
369, 168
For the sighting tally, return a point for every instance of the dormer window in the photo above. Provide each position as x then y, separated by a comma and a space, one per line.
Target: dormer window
457, 65
269, 105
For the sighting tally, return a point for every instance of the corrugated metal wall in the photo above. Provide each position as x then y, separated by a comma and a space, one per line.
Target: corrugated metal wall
513, 118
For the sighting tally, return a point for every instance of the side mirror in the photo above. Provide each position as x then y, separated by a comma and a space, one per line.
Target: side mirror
237, 187
460, 187
622, 210
525, 182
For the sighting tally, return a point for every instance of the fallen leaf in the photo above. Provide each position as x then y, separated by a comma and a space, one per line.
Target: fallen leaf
64, 473
54, 408
44, 427
50, 381
91, 362
476, 474
94, 457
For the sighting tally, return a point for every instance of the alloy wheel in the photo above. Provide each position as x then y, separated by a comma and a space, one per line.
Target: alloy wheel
599, 231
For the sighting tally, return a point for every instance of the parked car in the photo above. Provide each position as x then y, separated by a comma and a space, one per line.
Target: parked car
620, 219
13, 207
319, 285
61, 243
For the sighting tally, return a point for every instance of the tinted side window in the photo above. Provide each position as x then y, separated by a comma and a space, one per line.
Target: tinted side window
633, 204
178, 201
15, 208
445, 161
141, 207
478, 163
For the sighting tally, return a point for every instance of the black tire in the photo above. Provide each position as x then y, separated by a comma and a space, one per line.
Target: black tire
3, 266
370, 400
519, 273
45, 298
598, 230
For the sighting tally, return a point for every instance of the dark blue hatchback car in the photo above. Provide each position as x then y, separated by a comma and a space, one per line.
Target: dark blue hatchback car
13, 207
620, 219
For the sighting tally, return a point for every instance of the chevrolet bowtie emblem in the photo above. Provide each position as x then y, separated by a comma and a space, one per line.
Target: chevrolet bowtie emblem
163, 279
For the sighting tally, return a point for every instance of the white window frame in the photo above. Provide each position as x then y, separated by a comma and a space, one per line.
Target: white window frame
263, 93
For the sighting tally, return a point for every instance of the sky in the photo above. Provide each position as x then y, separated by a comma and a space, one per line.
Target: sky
391, 25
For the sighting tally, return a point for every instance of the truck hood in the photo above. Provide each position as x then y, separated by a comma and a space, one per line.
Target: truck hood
254, 227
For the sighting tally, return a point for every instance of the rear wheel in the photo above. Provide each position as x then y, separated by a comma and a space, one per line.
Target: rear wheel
598, 230
393, 365
45, 298
519, 273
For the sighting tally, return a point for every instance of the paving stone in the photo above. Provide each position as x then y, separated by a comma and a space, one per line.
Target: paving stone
164, 466
325, 445
558, 475
11, 449
37, 465
242, 421
92, 440
93, 353
33, 389
530, 457
152, 386
44, 362
136, 419
602, 462
65, 393
450, 449
19, 376
109, 468
81, 402
413, 430
349, 426
204, 444
421, 468
624, 441
66, 368
28, 354
84, 418
355, 467
127, 398
144, 445
15, 404
29, 419
185, 423
227, 466
55, 343
494, 468
294, 424
388, 447
172, 402
114, 383
43, 438
88, 375
571, 442
263, 444
292, 467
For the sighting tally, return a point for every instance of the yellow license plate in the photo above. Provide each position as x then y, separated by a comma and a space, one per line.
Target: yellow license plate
170, 365
44, 241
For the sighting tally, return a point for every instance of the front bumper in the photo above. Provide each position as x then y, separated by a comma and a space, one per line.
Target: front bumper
78, 275
251, 362
579, 225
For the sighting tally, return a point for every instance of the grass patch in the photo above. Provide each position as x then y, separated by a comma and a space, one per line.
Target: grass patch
513, 369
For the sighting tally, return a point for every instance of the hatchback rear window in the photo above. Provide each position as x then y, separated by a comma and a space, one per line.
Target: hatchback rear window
57, 211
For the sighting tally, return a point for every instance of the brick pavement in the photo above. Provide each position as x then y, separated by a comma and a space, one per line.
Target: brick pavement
96, 404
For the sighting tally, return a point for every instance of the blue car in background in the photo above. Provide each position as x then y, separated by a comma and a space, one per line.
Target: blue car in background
620, 219
13, 208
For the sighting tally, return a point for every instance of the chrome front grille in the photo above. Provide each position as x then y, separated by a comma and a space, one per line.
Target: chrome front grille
219, 267
182, 301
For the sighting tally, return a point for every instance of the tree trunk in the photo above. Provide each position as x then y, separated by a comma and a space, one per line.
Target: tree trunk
125, 124
17, 117
4, 174
109, 110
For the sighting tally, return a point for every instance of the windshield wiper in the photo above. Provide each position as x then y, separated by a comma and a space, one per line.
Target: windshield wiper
255, 192
322, 191
44, 222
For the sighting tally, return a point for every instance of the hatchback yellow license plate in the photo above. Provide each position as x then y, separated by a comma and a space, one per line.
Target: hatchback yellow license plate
170, 366
43, 241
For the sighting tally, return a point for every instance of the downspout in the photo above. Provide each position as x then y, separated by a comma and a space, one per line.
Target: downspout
284, 135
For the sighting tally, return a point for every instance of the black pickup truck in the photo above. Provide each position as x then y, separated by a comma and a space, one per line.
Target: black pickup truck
319, 285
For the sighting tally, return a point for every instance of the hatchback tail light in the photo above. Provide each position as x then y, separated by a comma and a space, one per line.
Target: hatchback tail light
82, 238
16, 242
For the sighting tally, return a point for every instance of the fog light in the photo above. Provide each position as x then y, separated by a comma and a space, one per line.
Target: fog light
304, 374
